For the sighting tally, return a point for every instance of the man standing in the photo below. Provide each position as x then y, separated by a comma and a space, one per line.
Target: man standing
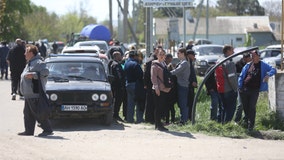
118, 84
4, 50
192, 81
30, 89
252, 80
54, 47
227, 85
133, 74
16, 60
42, 50
239, 66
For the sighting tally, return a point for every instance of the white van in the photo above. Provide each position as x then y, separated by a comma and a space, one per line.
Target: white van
276, 46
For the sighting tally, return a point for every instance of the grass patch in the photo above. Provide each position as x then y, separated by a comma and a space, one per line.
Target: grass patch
268, 123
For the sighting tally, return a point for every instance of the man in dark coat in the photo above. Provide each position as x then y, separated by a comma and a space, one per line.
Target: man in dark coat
118, 84
192, 81
4, 50
16, 60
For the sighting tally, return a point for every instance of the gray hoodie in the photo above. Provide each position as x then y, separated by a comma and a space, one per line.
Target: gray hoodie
33, 66
182, 73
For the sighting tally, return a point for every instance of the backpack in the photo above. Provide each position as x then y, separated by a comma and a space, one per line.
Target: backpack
167, 77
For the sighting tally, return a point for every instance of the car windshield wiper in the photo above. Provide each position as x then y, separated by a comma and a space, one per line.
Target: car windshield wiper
58, 79
80, 77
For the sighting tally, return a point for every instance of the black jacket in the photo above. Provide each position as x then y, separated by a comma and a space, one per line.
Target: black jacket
16, 57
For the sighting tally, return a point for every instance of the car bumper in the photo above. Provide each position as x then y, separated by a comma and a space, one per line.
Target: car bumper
91, 112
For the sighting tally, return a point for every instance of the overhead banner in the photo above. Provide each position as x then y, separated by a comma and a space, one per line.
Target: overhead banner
168, 3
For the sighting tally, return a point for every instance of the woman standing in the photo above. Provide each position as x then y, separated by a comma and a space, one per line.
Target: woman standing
159, 90
182, 72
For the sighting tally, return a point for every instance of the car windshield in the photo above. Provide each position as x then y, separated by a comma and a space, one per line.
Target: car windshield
76, 71
210, 50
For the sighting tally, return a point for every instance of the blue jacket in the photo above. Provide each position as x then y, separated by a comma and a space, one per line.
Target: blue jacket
133, 71
265, 69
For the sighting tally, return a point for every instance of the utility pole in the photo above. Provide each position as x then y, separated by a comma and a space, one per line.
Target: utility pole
282, 32
207, 20
110, 18
125, 21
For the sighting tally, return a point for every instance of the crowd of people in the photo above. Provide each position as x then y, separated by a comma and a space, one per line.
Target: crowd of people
141, 89
237, 83
232, 87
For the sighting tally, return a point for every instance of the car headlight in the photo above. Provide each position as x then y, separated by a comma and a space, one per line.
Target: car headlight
103, 97
95, 97
203, 63
53, 97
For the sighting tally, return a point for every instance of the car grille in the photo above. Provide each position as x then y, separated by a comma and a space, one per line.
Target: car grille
75, 97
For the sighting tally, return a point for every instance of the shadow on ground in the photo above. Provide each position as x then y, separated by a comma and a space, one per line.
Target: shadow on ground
69, 125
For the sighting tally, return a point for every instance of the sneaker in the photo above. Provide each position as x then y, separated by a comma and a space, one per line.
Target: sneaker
25, 134
44, 134
13, 96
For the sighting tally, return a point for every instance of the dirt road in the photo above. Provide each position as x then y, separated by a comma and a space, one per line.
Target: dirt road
82, 139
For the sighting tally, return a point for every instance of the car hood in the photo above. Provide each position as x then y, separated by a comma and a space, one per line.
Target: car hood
208, 58
78, 85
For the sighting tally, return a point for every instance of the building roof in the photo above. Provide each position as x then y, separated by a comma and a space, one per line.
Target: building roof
218, 25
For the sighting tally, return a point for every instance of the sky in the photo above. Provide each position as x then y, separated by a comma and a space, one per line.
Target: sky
96, 8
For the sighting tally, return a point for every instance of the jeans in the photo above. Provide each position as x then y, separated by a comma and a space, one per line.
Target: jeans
130, 89
190, 99
239, 111
249, 99
140, 107
229, 100
182, 102
216, 107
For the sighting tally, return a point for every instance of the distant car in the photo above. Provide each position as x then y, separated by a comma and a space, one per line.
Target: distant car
202, 41
101, 44
92, 50
265, 53
78, 87
275, 46
274, 61
206, 56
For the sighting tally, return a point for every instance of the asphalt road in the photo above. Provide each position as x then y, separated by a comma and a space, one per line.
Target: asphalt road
85, 139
